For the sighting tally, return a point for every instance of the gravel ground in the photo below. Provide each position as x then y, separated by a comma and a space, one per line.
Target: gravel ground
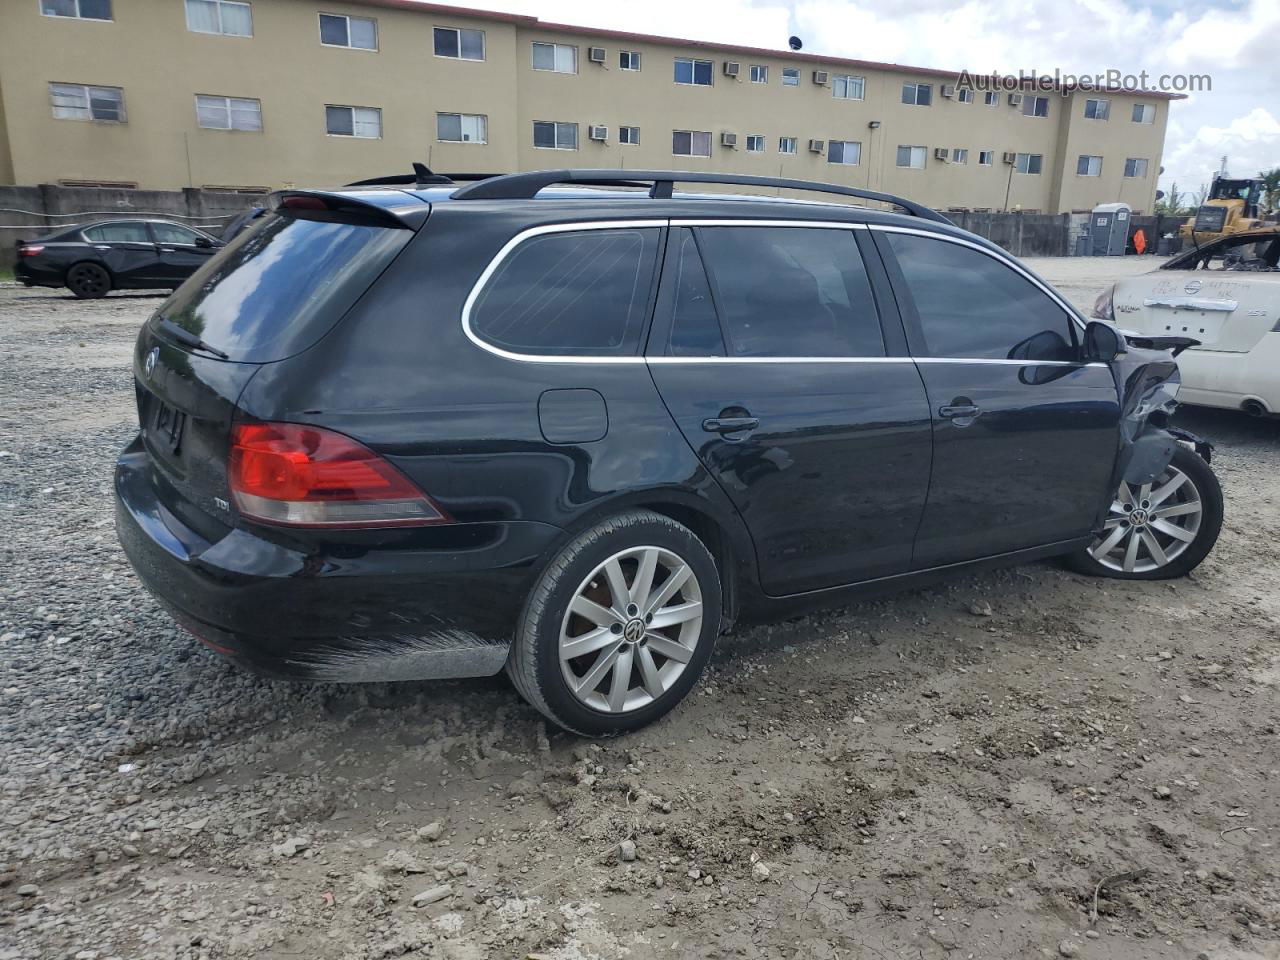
945, 773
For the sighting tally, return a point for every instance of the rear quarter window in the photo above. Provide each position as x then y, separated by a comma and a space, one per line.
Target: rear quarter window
571, 293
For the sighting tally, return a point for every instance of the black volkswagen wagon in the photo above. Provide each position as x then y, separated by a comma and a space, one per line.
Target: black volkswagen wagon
578, 431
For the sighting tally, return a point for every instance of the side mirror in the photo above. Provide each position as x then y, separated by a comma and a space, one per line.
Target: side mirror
204, 242
1102, 342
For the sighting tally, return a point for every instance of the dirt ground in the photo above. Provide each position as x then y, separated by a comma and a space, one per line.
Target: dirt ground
948, 773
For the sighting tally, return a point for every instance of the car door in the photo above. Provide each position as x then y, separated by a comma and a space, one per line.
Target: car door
182, 250
127, 250
768, 350
1025, 435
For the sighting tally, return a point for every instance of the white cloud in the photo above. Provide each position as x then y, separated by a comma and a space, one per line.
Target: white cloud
1250, 142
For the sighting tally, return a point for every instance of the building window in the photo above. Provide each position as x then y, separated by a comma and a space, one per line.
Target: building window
555, 57
1088, 166
1135, 167
77, 9
986, 158
1097, 109
360, 33
965, 95
1144, 113
759, 73
911, 157
844, 87
548, 135
459, 44
629, 135
75, 101
231, 18
787, 145
755, 143
1035, 106
991, 98
228, 113
917, 94
693, 72
959, 155
1028, 162
462, 127
847, 152
691, 143
790, 77
629, 59
362, 122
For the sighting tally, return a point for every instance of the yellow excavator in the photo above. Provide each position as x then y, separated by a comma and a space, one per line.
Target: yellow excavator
1230, 207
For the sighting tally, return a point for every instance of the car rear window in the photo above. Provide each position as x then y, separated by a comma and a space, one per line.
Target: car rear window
280, 286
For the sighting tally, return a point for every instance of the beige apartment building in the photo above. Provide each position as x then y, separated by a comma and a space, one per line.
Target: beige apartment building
262, 94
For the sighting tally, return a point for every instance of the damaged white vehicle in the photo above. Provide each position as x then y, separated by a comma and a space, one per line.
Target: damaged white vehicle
1226, 295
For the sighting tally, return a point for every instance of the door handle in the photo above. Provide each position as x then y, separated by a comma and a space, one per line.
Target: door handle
959, 411
730, 424
167, 250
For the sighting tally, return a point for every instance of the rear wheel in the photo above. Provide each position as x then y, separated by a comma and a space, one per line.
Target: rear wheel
1159, 530
619, 627
88, 281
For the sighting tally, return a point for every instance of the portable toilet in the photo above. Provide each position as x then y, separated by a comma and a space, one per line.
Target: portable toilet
1109, 229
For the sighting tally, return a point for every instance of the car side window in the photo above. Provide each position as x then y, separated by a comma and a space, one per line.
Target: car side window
582, 292
972, 306
695, 330
118, 233
792, 292
173, 233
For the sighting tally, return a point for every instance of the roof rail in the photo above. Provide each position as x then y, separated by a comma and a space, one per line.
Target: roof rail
525, 186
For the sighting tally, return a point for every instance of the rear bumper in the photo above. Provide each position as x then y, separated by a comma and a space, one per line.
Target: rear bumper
434, 603
26, 275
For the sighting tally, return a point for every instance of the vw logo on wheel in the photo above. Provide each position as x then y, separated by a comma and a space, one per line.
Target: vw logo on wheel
1193, 286
633, 632
149, 365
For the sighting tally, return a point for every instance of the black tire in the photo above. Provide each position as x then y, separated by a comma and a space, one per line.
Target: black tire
88, 281
534, 664
1209, 491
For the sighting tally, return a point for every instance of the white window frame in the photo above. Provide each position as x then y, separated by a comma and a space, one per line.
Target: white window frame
1030, 105
693, 71
226, 105
78, 15
1091, 169
755, 143
1146, 111
959, 154
847, 81
986, 158
792, 142
625, 135
557, 125
693, 134
483, 126
633, 60
910, 164
484, 44
556, 50
759, 73
85, 90
221, 5
844, 151
917, 87
791, 76
1131, 163
1021, 160
1106, 108
353, 135
377, 39
991, 98
964, 95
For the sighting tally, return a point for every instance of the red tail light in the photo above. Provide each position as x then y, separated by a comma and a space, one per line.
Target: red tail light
31, 250
300, 476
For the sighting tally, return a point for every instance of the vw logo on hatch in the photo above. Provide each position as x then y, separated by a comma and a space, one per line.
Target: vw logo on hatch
149, 365
1193, 286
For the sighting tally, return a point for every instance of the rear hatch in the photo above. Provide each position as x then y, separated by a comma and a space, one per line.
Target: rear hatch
1226, 311
271, 293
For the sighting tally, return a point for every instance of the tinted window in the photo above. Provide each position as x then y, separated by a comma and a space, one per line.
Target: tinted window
695, 331
973, 306
172, 233
279, 286
118, 233
584, 292
792, 292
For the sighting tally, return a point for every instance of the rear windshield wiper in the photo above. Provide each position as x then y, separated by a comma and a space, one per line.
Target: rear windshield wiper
189, 339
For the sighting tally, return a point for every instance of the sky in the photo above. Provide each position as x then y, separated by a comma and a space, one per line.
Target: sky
1235, 42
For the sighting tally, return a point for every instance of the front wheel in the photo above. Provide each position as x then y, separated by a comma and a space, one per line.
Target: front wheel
619, 626
1158, 530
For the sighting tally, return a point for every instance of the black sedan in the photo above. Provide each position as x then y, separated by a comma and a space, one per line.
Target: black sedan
92, 259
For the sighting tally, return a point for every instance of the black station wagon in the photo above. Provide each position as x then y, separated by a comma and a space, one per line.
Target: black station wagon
575, 425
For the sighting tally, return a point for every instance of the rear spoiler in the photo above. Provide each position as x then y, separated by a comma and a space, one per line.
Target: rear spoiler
396, 209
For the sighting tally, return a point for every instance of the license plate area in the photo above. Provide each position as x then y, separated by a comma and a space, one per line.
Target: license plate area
169, 425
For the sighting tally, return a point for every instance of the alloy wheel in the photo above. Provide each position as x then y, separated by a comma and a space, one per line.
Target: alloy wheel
631, 629
88, 281
1150, 525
